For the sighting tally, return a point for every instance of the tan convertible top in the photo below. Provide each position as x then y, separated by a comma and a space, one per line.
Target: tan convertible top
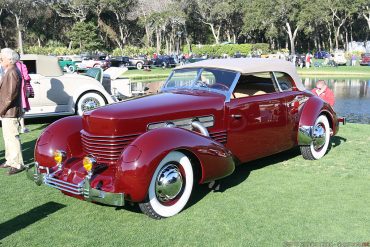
250, 65
45, 65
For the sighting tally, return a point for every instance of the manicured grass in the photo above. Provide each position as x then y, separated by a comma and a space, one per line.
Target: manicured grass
358, 71
264, 203
340, 71
155, 73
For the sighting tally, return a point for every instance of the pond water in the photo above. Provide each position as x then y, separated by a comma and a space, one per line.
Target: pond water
352, 96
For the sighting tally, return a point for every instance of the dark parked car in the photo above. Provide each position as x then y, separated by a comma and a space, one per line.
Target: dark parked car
129, 62
365, 59
165, 61
321, 54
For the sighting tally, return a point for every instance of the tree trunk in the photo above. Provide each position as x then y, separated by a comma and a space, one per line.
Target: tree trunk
158, 38
20, 40
3, 36
148, 36
216, 34
292, 37
367, 16
228, 36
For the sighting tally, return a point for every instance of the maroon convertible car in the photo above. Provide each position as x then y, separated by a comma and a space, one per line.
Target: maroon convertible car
209, 117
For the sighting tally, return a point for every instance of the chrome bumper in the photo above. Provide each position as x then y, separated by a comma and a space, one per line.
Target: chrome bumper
82, 189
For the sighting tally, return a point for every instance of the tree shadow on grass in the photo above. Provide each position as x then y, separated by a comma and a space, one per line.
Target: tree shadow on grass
22, 221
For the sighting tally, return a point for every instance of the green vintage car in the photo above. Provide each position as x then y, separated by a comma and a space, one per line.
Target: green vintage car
69, 63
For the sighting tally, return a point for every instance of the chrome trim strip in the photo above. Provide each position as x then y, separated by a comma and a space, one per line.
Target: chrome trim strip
232, 88
276, 82
109, 137
185, 123
197, 125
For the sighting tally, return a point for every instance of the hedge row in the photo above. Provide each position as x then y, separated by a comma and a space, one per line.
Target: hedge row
211, 50
229, 49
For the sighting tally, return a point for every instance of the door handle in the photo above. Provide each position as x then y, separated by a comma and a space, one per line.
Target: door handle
236, 116
36, 82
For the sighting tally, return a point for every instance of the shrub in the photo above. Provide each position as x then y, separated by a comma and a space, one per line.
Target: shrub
229, 49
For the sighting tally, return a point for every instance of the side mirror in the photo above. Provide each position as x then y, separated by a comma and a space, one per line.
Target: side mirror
146, 89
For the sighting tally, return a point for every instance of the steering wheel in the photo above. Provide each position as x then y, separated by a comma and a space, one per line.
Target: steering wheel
220, 85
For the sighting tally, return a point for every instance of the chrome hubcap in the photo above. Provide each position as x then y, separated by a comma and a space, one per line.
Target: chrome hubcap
169, 183
318, 136
89, 104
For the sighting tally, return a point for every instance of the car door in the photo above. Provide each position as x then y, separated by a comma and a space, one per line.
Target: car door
50, 95
257, 118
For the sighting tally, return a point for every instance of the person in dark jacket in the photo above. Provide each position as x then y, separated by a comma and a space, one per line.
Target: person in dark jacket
10, 111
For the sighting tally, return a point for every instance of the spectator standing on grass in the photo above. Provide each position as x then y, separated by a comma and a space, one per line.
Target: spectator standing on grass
26, 80
353, 60
324, 92
308, 60
11, 110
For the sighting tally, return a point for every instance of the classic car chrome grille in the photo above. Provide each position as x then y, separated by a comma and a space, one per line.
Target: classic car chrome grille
105, 148
220, 137
75, 189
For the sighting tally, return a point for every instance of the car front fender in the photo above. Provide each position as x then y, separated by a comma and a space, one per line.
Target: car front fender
139, 160
63, 134
311, 110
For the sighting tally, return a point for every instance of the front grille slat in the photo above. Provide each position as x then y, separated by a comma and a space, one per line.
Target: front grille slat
105, 148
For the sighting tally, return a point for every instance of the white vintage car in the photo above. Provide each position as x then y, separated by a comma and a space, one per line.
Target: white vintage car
57, 93
340, 58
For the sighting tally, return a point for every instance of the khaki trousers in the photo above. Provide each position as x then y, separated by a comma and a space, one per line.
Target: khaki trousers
12, 142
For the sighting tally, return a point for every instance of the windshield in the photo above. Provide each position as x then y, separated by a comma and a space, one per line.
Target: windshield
216, 80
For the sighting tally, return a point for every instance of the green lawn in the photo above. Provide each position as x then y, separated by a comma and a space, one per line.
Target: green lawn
264, 203
358, 71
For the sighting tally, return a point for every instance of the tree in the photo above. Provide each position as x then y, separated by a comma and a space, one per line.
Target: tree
211, 13
20, 9
121, 10
340, 12
364, 9
85, 35
273, 15
76, 9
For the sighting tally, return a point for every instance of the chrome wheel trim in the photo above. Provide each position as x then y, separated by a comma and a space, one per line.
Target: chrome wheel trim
169, 183
89, 101
318, 136
176, 205
320, 144
89, 104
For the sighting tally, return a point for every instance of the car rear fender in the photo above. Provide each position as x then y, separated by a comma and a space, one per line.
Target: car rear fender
139, 160
64, 135
313, 108
90, 85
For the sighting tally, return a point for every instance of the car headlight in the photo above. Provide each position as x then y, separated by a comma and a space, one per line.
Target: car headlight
89, 162
59, 156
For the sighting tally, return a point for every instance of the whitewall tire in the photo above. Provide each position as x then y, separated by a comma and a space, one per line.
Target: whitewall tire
170, 187
89, 101
319, 146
